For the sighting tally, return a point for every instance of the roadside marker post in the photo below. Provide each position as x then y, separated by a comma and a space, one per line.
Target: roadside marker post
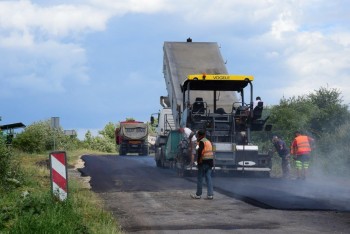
59, 176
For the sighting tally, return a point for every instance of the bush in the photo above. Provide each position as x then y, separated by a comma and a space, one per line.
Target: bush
102, 143
42, 214
5, 157
333, 150
39, 137
99, 143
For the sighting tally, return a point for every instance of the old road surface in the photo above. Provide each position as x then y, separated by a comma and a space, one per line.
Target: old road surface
147, 199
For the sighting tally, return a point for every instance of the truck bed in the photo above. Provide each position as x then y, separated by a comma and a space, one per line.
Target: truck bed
184, 58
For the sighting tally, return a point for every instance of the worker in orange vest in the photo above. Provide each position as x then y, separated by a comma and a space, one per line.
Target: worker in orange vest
301, 149
205, 163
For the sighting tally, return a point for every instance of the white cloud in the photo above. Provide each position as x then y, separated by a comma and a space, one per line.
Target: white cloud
43, 67
283, 24
15, 39
316, 60
294, 46
53, 21
43, 40
35, 55
132, 6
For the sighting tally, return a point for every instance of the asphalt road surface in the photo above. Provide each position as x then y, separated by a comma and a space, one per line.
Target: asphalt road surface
147, 199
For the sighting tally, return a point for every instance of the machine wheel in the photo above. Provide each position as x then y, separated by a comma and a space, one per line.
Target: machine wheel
180, 172
162, 156
264, 174
157, 155
180, 168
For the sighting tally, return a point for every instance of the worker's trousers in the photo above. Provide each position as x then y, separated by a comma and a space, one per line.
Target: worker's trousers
204, 170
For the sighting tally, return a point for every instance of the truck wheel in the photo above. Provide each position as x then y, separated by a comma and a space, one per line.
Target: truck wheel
162, 156
122, 152
157, 156
146, 151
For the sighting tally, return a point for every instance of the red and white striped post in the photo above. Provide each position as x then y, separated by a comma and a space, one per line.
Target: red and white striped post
59, 176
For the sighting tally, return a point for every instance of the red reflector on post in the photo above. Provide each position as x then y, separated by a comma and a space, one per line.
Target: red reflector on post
59, 178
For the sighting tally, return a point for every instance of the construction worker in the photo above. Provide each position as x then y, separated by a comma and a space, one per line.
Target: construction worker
192, 139
283, 152
301, 149
205, 163
256, 102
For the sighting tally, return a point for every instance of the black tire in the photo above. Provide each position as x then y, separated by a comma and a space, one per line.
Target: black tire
122, 152
145, 151
162, 156
264, 174
180, 172
157, 156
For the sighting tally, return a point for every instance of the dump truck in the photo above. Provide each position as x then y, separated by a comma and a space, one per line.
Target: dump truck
132, 137
202, 95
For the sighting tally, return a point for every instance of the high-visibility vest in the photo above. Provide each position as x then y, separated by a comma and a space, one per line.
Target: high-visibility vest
302, 145
207, 152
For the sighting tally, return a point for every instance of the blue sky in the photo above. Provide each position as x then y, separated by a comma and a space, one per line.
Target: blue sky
98, 61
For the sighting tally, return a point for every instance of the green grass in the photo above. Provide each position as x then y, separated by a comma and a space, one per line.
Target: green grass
29, 207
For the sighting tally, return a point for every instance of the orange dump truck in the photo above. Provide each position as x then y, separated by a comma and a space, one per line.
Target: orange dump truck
132, 137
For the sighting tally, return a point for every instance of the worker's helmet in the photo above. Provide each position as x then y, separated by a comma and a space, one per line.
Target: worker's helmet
200, 133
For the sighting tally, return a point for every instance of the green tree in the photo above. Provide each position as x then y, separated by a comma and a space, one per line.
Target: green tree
323, 116
292, 114
331, 112
109, 131
104, 142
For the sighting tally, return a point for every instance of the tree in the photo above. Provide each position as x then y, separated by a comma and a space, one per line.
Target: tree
292, 114
322, 115
109, 131
104, 142
331, 112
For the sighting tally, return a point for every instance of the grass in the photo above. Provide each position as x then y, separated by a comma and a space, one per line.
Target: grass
28, 206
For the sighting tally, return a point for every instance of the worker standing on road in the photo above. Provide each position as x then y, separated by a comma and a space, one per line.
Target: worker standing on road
283, 152
191, 136
205, 162
301, 149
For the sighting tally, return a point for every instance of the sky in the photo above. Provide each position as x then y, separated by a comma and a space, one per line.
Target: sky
98, 61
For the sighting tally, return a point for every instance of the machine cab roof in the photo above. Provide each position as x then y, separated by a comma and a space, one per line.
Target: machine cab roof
218, 82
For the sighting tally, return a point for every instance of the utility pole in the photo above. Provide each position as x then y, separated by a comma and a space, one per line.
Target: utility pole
55, 125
